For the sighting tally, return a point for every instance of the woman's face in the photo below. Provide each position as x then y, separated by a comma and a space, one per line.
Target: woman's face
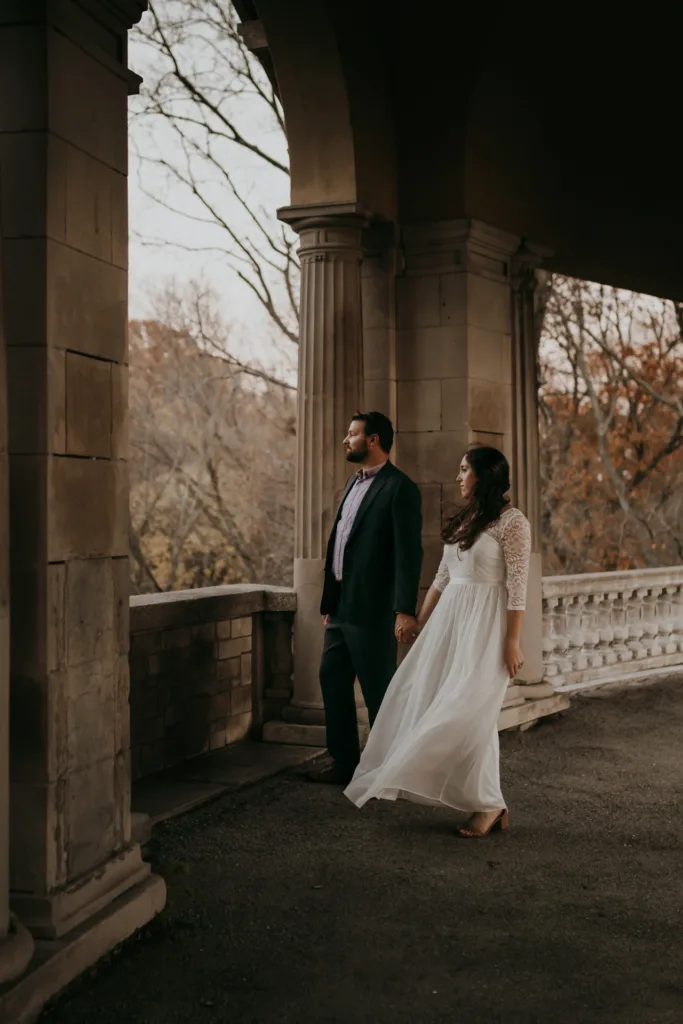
466, 478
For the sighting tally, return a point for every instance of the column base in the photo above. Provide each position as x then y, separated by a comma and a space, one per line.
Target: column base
303, 715
531, 640
57, 963
16, 951
295, 734
308, 634
299, 735
53, 915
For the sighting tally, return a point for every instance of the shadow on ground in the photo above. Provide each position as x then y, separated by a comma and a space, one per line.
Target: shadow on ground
286, 904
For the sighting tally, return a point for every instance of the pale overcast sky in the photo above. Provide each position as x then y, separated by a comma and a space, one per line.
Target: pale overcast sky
153, 267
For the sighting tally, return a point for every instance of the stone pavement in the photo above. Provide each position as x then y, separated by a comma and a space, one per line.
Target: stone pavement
286, 904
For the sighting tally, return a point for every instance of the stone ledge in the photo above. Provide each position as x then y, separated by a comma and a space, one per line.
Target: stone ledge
531, 710
188, 607
210, 776
623, 681
511, 717
58, 963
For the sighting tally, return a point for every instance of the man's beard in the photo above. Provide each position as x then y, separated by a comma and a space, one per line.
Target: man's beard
358, 456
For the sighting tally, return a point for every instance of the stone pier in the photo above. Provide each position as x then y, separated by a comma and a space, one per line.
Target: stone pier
450, 348
76, 878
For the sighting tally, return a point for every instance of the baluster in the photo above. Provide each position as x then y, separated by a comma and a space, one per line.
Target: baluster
620, 627
573, 612
667, 621
603, 606
560, 639
589, 630
650, 622
634, 617
677, 617
550, 666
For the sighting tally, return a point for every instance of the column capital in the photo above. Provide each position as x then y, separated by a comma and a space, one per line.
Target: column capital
325, 215
527, 259
328, 231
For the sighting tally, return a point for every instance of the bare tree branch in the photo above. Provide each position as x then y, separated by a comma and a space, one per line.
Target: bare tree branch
206, 115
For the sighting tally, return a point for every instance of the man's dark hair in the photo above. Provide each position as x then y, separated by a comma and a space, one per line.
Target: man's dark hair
377, 423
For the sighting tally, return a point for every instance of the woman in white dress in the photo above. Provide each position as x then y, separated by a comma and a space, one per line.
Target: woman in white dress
435, 739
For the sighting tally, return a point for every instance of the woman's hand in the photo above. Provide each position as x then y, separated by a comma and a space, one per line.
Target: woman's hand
513, 657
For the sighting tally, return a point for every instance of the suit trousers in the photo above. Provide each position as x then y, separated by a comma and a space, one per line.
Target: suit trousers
350, 652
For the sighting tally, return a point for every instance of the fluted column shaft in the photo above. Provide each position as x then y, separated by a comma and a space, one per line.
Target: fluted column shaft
330, 392
526, 453
525, 443
330, 374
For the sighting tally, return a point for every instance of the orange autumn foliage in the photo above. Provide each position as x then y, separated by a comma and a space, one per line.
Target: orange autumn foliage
611, 421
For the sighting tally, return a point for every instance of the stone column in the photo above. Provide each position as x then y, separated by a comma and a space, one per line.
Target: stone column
465, 373
330, 392
63, 156
525, 441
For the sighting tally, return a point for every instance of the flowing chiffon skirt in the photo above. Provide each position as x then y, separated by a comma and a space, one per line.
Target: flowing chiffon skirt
435, 740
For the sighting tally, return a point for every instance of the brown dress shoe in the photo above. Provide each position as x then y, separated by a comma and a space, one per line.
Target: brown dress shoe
331, 775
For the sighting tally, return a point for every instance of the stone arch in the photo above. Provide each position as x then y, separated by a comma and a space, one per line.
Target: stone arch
330, 69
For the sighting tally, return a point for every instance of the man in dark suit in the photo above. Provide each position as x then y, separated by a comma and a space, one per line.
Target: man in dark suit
372, 576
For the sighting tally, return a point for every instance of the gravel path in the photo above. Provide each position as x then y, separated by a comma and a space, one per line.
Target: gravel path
286, 904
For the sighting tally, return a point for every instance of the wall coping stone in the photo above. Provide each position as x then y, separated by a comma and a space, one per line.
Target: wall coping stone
607, 582
187, 607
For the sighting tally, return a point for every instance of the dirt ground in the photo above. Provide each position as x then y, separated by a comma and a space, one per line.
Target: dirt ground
286, 904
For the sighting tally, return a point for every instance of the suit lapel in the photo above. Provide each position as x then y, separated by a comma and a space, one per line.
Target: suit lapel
374, 489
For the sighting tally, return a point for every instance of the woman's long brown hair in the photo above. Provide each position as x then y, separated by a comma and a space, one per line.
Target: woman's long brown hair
487, 500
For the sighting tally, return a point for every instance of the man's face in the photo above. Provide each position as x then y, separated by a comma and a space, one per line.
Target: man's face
356, 442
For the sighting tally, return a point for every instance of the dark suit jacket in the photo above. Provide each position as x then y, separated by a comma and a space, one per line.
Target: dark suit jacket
383, 556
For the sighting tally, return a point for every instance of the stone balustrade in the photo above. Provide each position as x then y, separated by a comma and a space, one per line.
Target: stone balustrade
608, 627
207, 667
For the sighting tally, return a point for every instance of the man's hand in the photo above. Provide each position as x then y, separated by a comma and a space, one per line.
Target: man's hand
406, 629
325, 618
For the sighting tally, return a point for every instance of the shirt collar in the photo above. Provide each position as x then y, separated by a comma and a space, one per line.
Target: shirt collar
367, 474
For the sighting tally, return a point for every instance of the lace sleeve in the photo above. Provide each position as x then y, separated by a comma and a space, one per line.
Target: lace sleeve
515, 540
442, 578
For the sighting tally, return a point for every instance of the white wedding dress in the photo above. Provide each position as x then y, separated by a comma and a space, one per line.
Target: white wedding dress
435, 739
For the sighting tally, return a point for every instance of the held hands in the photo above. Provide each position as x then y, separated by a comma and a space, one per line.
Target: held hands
407, 629
513, 657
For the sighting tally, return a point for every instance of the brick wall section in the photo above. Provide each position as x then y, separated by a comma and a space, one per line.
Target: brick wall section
207, 667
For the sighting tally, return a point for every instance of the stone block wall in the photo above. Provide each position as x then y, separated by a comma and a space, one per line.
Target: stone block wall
207, 668
437, 353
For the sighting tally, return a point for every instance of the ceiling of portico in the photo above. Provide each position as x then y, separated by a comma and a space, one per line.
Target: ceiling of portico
564, 135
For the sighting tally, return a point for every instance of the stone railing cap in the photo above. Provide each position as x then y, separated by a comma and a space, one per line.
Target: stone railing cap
188, 607
606, 582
